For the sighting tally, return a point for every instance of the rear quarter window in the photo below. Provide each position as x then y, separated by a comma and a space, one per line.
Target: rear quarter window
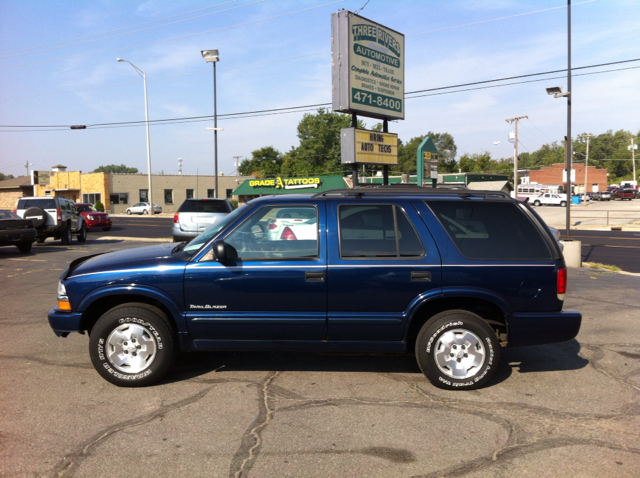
491, 230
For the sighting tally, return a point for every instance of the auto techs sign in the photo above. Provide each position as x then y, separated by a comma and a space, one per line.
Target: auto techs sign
367, 67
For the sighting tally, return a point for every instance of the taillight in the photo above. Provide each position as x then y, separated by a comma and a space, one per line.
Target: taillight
15, 211
288, 235
59, 213
273, 225
562, 283
175, 217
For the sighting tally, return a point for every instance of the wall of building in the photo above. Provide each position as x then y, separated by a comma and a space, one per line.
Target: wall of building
596, 178
9, 199
73, 185
131, 185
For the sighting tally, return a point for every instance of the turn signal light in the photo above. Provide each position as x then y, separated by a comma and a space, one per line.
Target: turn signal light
64, 305
175, 217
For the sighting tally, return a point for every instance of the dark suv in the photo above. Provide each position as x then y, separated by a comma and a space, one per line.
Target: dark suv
623, 194
451, 275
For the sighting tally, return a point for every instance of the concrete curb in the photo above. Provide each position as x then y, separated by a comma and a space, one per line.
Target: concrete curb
139, 239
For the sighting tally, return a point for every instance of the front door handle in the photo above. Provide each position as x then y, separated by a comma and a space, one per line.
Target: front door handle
314, 276
421, 276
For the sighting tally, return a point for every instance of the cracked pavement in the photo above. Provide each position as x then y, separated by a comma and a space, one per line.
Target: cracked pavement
569, 409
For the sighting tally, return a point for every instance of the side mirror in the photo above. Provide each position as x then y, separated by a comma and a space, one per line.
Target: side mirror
219, 251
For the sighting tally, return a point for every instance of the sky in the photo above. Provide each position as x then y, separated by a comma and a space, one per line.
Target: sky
58, 68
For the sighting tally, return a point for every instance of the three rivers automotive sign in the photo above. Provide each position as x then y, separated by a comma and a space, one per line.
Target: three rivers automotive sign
368, 67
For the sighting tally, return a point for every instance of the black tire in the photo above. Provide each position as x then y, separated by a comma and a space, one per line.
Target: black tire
24, 247
33, 213
106, 228
145, 211
129, 212
457, 336
66, 236
40, 239
536, 203
563, 203
131, 329
82, 235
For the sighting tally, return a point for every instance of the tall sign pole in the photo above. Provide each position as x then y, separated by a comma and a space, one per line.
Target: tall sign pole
586, 165
569, 144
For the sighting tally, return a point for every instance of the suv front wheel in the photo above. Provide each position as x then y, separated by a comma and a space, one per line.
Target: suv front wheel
456, 349
66, 236
132, 345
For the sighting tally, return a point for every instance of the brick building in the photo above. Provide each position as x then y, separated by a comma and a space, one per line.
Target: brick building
596, 178
12, 189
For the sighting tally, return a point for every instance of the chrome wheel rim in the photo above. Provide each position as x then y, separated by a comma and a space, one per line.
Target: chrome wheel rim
131, 348
459, 354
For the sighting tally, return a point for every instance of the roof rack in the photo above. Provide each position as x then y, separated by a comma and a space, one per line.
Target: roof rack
402, 191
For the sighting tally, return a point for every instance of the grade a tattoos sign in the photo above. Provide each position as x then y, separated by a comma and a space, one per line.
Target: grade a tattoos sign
367, 67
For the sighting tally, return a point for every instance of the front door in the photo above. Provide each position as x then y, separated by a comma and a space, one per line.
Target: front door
275, 289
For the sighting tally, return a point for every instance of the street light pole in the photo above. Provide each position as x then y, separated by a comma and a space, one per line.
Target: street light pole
146, 113
586, 165
212, 56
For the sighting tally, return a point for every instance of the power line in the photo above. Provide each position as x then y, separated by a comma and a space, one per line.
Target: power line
319, 105
176, 38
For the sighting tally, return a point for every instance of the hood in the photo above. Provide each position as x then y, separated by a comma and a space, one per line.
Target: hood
137, 257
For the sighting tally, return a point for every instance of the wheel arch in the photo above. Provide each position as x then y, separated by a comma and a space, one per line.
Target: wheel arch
490, 310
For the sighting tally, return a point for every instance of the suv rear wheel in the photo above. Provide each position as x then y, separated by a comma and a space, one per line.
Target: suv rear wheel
132, 345
456, 349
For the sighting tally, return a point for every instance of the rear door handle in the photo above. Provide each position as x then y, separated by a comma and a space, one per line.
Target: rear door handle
314, 276
421, 276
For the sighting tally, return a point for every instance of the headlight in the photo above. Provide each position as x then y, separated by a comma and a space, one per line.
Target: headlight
62, 291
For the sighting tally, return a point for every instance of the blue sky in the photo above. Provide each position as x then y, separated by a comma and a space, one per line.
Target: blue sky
56, 70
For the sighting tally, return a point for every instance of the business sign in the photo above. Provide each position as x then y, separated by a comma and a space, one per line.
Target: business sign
286, 183
40, 178
573, 175
367, 67
370, 147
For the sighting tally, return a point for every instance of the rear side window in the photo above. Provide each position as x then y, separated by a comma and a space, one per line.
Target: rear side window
491, 230
205, 206
382, 231
43, 203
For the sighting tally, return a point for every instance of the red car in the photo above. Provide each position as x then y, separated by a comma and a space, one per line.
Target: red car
93, 217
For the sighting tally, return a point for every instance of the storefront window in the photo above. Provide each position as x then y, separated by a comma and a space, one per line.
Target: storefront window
144, 195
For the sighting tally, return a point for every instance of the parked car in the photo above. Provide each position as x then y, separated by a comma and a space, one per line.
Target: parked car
197, 214
289, 217
143, 208
93, 217
601, 196
452, 275
622, 194
550, 199
53, 216
15, 231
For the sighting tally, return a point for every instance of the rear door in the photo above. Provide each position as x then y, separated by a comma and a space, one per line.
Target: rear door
382, 261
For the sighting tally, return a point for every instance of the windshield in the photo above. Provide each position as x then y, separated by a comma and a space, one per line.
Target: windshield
196, 243
86, 208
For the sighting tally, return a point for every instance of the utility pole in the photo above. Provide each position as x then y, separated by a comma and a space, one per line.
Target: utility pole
179, 165
26, 165
515, 154
237, 162
586, 164
633, 148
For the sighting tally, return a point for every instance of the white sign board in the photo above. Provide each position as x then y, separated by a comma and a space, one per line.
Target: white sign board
564, 175
367, 67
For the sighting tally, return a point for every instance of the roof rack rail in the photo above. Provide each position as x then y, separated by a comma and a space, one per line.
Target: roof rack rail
401, 191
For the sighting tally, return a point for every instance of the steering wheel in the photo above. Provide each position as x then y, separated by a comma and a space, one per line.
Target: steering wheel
246, 243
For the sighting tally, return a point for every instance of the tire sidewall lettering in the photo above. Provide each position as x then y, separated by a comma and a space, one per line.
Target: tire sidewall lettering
440, 330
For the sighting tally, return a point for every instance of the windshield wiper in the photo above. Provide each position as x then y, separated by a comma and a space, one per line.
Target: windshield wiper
179, 247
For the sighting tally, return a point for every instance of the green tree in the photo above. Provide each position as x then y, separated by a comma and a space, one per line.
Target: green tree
265, 162
114, 168
407, 159
5, 176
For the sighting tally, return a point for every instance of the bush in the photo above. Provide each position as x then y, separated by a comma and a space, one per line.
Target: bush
99, 206
234, 203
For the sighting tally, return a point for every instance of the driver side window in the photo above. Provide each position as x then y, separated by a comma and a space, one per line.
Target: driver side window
277, 233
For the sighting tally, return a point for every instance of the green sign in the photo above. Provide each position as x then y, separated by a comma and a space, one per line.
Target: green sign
427, 162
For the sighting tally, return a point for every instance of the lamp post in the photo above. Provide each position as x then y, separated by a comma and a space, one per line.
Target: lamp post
211, 56
146, 112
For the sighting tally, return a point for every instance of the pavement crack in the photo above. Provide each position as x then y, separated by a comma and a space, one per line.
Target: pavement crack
68, 466
251, 442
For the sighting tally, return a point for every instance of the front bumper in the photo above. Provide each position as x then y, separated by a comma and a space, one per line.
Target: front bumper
63, 323
543, 328
93, 223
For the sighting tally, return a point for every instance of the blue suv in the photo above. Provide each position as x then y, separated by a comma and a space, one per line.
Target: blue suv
450, 275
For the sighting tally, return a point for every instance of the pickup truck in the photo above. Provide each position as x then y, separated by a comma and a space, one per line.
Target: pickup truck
550, 199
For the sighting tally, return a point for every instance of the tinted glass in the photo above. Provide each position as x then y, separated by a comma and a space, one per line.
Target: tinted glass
40, 202
4, 214
491, 230
370, 231
205, 206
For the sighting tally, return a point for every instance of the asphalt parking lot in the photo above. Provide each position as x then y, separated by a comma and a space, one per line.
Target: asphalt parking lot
569, 409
